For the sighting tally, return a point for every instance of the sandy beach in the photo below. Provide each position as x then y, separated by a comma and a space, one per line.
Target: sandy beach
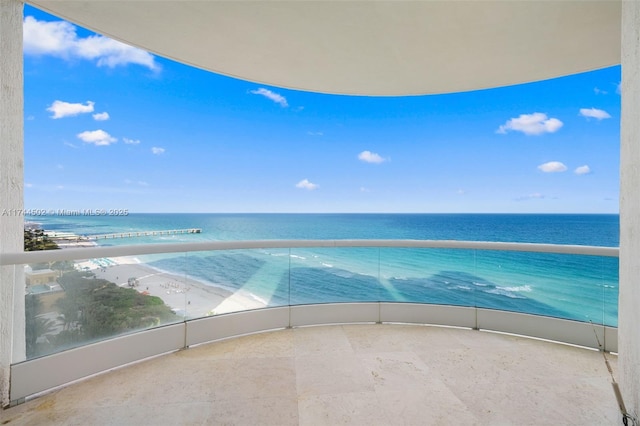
187, 297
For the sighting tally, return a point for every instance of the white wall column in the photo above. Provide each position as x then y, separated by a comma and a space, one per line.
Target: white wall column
629, 302
12, 340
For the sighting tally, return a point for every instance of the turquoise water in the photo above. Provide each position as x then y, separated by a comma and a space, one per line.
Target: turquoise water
574, 287
598, 230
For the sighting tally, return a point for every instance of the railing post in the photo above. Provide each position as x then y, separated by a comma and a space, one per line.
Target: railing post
475, 327
289, 287
379, 321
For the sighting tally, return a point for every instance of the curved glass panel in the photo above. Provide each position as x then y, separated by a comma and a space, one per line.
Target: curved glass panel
556, 285
77, 302
334, 275
437, 276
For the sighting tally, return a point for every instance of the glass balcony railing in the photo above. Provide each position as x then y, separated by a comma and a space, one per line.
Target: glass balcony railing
79, 296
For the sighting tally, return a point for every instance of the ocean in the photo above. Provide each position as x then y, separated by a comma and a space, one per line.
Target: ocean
575, 287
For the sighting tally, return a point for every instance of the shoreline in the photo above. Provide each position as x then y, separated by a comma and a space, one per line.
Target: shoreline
186, 296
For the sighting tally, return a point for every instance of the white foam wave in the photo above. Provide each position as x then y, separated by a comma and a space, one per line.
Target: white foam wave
479, 284
502, 292
328, 265
526, 288
277, 254
295, 256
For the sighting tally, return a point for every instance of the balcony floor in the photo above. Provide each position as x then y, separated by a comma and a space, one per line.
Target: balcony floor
345, 374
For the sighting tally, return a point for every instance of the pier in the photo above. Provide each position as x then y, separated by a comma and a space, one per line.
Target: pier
144, 234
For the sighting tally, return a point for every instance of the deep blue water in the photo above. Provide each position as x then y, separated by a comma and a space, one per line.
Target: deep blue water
574, 287
587, 229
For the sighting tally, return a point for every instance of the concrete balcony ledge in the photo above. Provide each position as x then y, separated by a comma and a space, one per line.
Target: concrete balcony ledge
373, 374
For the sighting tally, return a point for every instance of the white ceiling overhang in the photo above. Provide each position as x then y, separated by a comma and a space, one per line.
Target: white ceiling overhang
365, 47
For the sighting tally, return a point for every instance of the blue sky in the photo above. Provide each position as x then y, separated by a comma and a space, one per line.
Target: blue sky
108, 126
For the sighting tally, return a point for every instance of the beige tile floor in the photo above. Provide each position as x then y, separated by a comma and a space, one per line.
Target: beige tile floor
345, 374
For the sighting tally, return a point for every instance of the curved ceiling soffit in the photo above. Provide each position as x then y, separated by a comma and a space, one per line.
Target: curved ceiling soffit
365, 48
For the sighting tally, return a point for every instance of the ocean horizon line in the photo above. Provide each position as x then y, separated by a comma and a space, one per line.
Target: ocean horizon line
380, 213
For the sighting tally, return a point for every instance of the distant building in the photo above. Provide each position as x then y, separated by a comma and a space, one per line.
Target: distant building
40, 276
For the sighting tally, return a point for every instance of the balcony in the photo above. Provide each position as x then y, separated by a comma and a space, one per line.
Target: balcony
562, 293
346, 374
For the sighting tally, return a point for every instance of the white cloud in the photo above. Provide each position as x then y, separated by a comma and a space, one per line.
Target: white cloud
112, 53
534, 196
370, 157
69, 144
552, 167
97, 137
62, 109
582, 170
619, 88
139, 183
279, 99
461, 192
157, 150
598, 91
101, 116
531, 124
363, 189
131, 141
59, 38
53, 38
315, 133
59, 166
594, 113
28, 185
305, 184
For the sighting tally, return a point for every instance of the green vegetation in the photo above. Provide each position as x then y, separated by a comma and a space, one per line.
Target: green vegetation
35, 326
35, 239
91, 309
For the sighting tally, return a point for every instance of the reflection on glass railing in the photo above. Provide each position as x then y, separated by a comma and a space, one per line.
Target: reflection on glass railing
582, 288
610, 267
437, 276
335, 275
556, 285
73, 303
69, 304
236, 280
